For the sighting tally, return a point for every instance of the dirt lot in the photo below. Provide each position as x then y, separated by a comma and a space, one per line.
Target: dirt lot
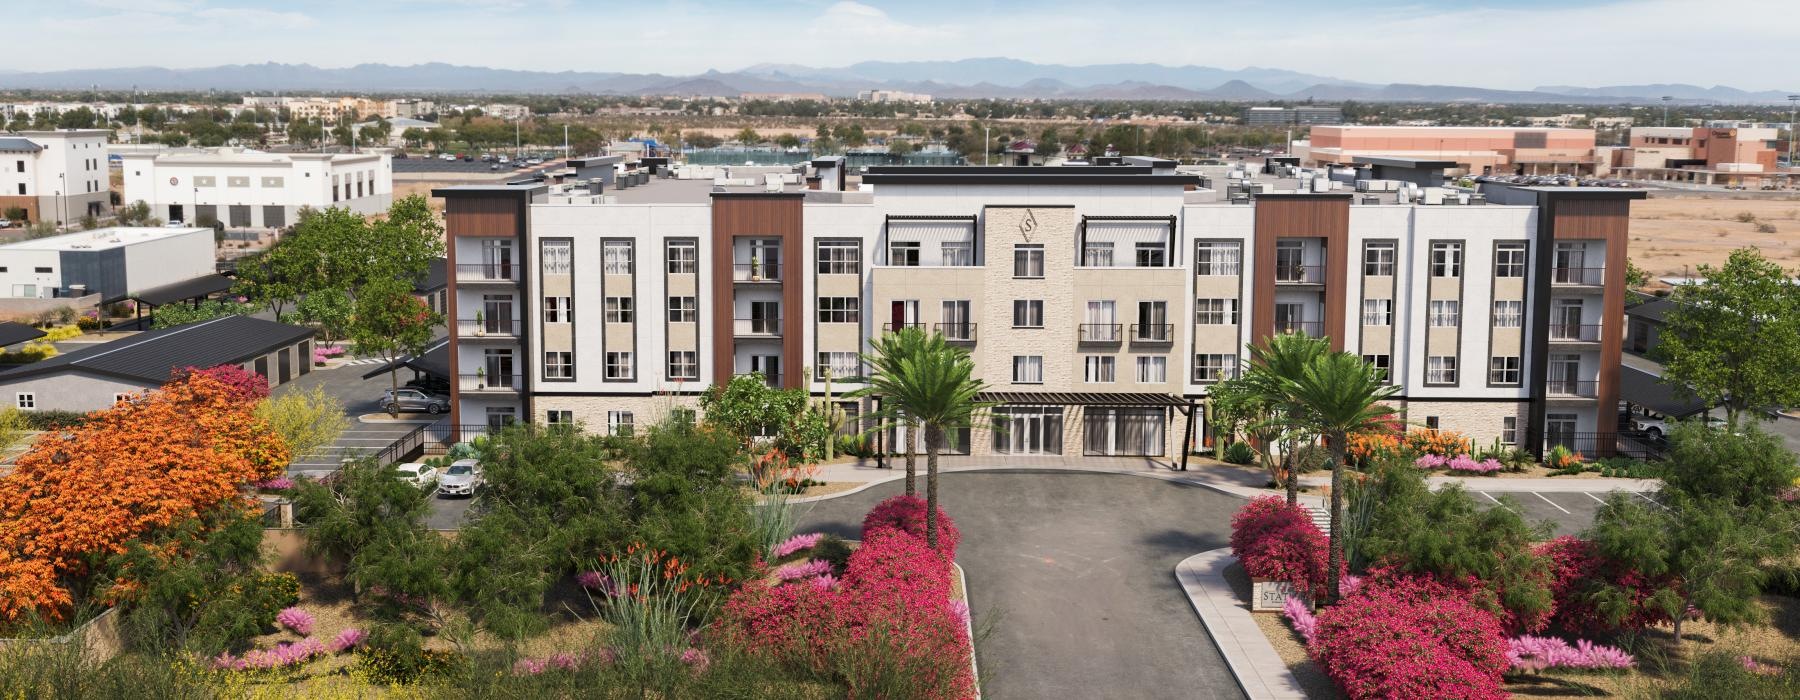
1672, 234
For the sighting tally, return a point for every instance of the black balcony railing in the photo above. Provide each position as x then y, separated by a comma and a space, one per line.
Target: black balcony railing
891, 326
1299, 274
1575, 332
773, 378
960, 332
758, 272
1152, 332
1307, 328
1102, 332
487, 272
1594, 445
1578, 276
487, 327
1578, 388
756, 327
490, 382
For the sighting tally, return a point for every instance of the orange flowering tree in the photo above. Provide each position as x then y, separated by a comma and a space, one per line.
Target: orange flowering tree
144, 465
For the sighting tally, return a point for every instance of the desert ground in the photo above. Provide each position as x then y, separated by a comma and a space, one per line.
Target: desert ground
1672, 234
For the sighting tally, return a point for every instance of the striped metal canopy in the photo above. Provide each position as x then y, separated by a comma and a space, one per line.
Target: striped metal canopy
1083, 398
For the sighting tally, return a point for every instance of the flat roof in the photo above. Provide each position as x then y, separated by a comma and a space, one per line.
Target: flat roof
180, 291
245, 157
101, 238
1649, 391
153, 356
14, 333
1403, 162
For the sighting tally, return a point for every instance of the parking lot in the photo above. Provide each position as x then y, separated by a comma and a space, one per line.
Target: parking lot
1569, 512
439, 165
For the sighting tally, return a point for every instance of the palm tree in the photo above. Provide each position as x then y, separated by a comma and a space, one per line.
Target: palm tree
934, 386
1284, 357
1338, 393
889, 350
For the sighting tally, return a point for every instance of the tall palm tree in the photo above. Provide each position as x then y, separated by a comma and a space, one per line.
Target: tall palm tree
934, 386
1339, 394
889, 350
1285, 357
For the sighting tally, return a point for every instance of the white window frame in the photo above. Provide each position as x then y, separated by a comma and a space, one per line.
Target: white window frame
839, 257
557, 309
1097, 254
25, 400
842, 365
1028, 369
1440, 370
1509, 260
1509, 313
619, 365
1446, 313
840, 310
558, 416
1446, 259
1218, 258
558, 257
684, 364
684, 309
620, 423
1378, 259
1509, 430
1504, 371
1210, 368
1385, 363
1100, 369
1028, 257
957, 254
559, 364
1378, 312
621, 310
615, 257
1152, 369
1216, 312
916, 251
1029, 307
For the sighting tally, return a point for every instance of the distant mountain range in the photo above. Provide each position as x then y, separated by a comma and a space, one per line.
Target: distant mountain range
968, 78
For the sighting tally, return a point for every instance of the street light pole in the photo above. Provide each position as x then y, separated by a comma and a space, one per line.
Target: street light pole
985, 144
565, 142
1665, 101
1792, 101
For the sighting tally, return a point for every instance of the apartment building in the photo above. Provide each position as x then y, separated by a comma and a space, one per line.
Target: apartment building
1293, 116
255, 190
1099, 303
56, 176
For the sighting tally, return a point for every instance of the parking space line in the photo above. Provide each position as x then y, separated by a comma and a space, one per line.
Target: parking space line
1651, 500
1496, 501
1597, 499
1552, 503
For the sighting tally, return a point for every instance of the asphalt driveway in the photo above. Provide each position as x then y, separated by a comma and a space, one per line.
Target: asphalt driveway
1072, 577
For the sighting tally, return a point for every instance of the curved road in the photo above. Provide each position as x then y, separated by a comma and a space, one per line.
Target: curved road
1073, 577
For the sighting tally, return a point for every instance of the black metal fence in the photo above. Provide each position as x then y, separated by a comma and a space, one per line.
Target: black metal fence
1624, 443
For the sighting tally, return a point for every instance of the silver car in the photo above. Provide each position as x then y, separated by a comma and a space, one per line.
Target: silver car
460, 479
412, 400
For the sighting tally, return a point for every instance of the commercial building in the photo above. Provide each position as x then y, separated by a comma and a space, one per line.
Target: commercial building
1475, 150
56, 176
98, 376
1293, 116
1727, 155
1099, 302
893, 96
111, 262
254, 190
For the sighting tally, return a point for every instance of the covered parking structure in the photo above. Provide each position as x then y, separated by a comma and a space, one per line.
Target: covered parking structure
1089, 424
192, 291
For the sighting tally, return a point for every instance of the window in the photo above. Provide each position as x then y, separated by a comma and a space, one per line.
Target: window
42, 270
559, 365
1381, 363
243, 181
684, 364
842, 365
618, 310
556, 417
556, 309
1509, 430
1097, 254
1218, 258
556, 257
1378, 312
121, 398
1503, 370
840, 310
620, 423
683, 310
272, 182
1446, 260
26, 401
212, 181
618, 365
1213, 368
1509, 314
1028, 369
1440, 369
1152, 370
684, 257
1028, 260
958, 253
1431, 422
617, 257
1028, 313
840, 258
1216, 312
1152, 255
1509, 260
903, 254
1100, 369
1446, 312
1378, 259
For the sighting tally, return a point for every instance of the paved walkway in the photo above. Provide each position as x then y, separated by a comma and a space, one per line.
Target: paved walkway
1229, 622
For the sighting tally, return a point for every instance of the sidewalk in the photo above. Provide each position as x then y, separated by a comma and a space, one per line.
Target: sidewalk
1546, 485
1258, 668
1244, 483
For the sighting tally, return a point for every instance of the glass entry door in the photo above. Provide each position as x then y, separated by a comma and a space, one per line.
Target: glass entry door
1028, 430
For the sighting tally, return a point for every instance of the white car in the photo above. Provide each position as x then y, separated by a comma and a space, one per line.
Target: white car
417, 474
5, 222
1657, 426
460, 479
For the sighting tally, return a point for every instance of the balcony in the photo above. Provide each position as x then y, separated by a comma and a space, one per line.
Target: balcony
773, 378
483, 273
1574, 333
481, 383
1299, 274
501, 329
890, 327
1578, 276
1152, 332
756, 327
1572, 389
1307, 328
757, 273
957, 332
1102, 332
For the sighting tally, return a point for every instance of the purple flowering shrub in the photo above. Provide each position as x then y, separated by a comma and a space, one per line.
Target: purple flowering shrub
300, 621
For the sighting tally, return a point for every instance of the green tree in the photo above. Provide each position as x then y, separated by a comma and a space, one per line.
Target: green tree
748, 136
1733, 340
1283, 423
305, 132
181, 313
217, 598
787, 141
747, 407
413, 136
332, 311
391, 323
890, 350
307, 419
374, 524
933, 385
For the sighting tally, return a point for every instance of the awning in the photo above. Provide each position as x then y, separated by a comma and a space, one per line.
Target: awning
195, 288
1648, 390
13, 333
1084, 398
434, 361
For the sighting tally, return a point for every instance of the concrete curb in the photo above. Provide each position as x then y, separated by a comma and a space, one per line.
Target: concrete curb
962, 578
1259, 671
1185, 478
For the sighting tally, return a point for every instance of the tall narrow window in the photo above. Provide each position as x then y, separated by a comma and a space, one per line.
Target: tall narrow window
1218, 258
616, 257
1446, 259
1509, 260
684, 257
1378, 259
1028, 260
1378, 312
1100, 369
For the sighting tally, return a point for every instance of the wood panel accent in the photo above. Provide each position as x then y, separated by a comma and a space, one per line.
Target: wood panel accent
772, 215
1325, 217
1606, 220
1592, 219
492, 216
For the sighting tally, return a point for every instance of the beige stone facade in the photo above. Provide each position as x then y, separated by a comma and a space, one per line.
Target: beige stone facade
1482, 421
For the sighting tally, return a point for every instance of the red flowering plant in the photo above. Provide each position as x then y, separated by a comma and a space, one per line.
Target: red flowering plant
1411, 637
243, 385
1579, 572
907, 514
1277, 541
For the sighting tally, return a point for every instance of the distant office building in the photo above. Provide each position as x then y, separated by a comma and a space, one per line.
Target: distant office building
1474, 150
1730, 156
410, 109
892, 96
55, 176
1292, 116
246, 189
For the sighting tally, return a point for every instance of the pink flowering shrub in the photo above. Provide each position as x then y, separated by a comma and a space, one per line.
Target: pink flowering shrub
1430, 461
825, 582
1577, 570
246, 386
1276, 541
907, 514
346, 640
696, 659
1532, 654
282, 656
1411, 637
1300, 616
279, 483
795, 544
300, 621
1465, 463
594, 581
803, 569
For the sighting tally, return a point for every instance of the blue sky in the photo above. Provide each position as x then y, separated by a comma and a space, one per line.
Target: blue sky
1518, 44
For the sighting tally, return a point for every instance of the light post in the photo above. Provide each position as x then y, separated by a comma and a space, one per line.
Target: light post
1792, 101
62, 200
565, 142
1665, 101
985, 145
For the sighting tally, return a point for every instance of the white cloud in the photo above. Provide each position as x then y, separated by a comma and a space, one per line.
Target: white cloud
853, 20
